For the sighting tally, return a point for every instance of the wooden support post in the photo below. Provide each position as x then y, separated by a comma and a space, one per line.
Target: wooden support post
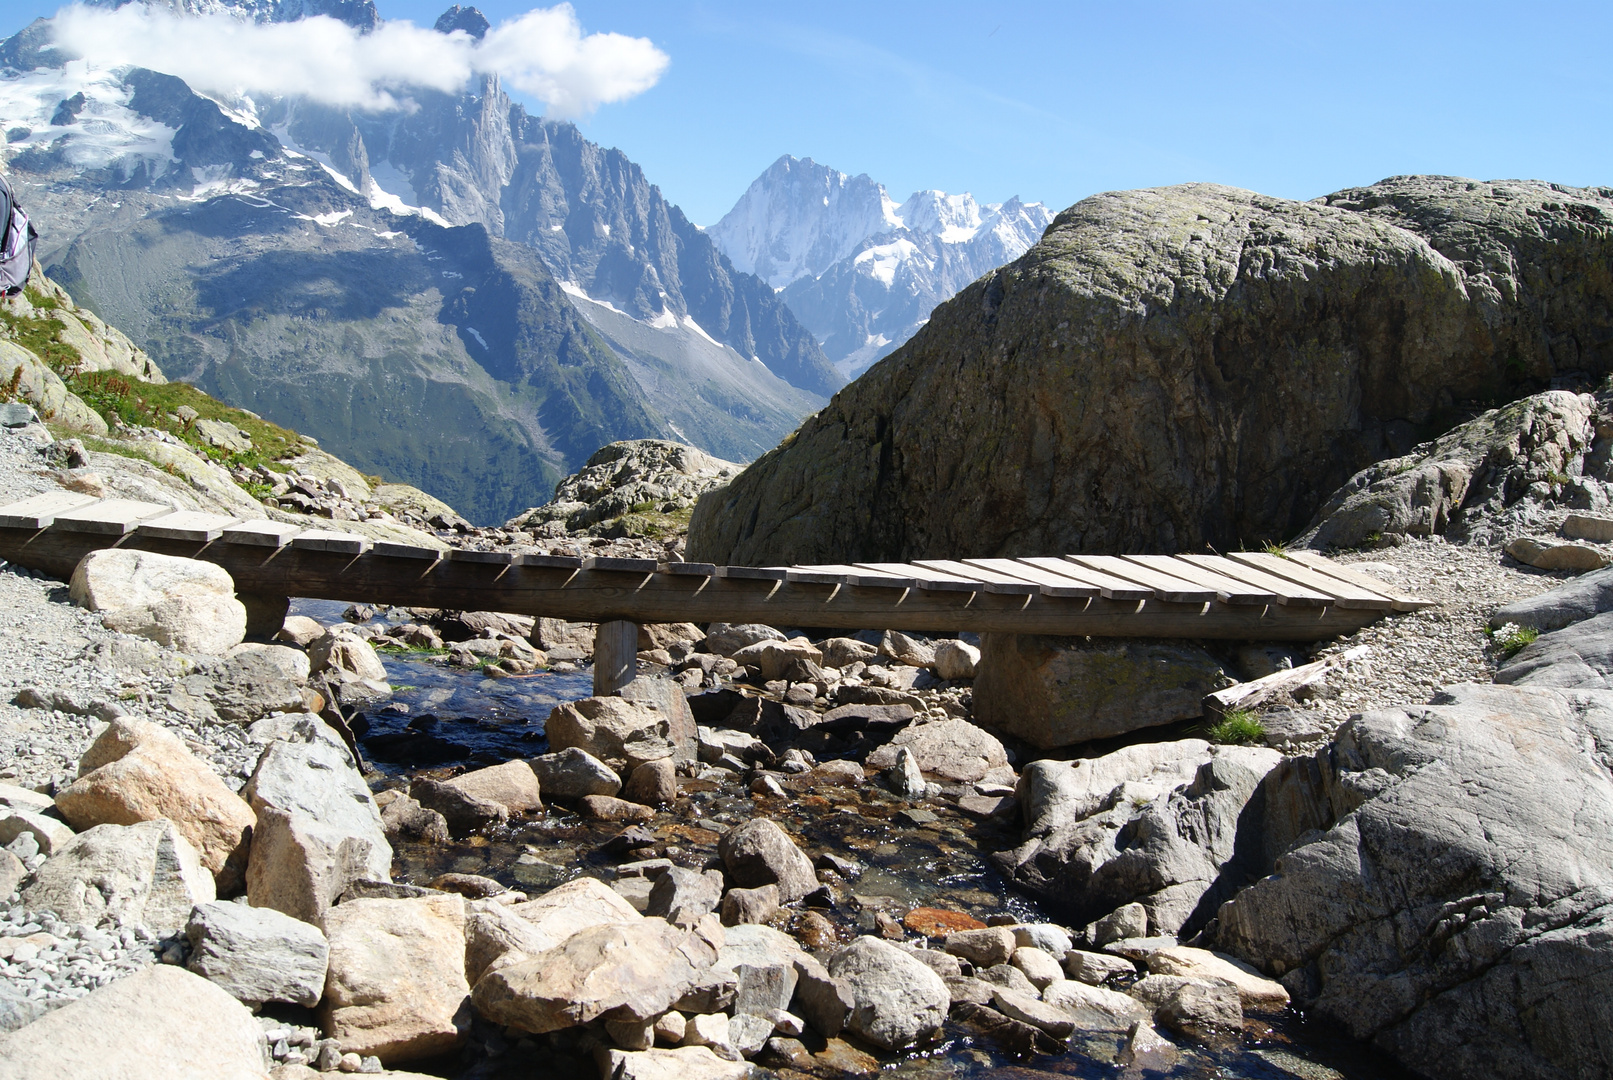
265, 615
615, 656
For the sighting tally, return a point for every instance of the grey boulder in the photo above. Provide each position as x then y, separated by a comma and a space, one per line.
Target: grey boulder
1056, 691
160, 1024
318, 829
1178, 852
1577, 656
573, 773
897, 1002
1587, 595
257, 954
760, 853
146, 873
1449, 892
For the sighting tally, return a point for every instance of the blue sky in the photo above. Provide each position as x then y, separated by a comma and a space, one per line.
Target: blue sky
1053, 102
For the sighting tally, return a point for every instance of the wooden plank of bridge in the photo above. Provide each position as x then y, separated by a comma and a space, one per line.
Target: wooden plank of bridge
1345, 594
1049, 583
752, 573
261, 532
492, 558
186, 525
1165, 586
109, 517
1109, 587
692, 569
38, 511
407, 551
336, 542
1323, 565
927, 580
1288, 593
992, 581
1227, 590
863, 578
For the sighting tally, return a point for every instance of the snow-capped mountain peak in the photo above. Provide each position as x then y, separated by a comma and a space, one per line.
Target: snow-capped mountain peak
799, 218
953, 219
859, 270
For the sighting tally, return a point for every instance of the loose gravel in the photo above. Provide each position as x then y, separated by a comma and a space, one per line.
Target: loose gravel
1416, 653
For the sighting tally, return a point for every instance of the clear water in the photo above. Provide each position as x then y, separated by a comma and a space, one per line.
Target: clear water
459, 717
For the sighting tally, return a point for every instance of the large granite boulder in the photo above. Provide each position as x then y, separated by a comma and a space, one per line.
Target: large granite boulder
257, 954
140, 771
1571, 602
396, 983
318, 829
897, 1001
1093, 844
1458, 908
146, 873
1182, 366
620, 971
185, 604
1059, 691
162, 1023
1579, 656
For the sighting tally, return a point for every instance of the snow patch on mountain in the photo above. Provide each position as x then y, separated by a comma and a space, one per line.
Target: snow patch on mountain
42, 111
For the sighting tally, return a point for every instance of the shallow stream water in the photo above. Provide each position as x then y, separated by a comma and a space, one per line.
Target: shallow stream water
930, 856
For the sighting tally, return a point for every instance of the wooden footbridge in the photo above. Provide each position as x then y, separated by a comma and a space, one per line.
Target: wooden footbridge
1243, 595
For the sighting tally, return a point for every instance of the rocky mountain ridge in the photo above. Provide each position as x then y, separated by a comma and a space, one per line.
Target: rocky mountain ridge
860, 271
1187, 366
389, 231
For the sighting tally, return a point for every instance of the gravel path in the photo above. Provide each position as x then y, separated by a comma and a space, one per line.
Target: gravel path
1415, 654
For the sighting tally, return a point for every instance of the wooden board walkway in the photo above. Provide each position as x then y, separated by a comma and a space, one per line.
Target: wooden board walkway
1246, 596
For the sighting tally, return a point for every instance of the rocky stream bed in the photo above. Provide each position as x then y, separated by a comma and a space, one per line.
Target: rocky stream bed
793, 853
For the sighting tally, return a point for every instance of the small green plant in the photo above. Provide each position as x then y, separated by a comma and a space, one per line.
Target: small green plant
402, 688
1275, 549
1511, 637
1238, 727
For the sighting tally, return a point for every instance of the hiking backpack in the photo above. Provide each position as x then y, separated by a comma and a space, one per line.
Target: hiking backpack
18, 239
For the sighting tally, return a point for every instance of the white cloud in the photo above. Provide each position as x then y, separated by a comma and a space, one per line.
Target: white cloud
543, 53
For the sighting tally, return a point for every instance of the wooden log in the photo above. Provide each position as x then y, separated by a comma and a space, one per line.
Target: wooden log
1256, 692
615, 655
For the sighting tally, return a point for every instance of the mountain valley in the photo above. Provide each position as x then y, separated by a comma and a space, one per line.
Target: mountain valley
444, 253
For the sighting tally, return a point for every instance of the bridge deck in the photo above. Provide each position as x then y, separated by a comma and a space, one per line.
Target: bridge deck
1248, 596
